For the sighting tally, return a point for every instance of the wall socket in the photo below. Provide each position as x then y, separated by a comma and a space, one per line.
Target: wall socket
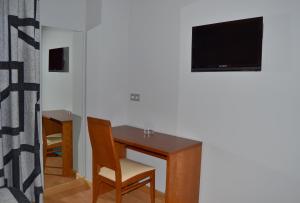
134, 97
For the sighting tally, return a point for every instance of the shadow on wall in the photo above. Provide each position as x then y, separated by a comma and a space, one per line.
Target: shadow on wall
77, 122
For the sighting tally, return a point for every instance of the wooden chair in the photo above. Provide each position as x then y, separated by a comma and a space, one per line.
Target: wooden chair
52, 137
123, 174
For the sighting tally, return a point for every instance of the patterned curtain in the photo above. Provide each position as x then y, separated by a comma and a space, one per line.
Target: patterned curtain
20, 165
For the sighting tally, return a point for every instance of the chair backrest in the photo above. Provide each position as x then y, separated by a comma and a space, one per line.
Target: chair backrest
103, 147
51, 126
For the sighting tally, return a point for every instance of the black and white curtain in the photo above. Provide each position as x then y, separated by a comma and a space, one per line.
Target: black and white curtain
20, 165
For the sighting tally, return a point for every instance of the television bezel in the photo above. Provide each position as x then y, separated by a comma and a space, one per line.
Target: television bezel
240, 67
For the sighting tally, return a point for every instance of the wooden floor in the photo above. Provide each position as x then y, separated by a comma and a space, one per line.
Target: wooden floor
53, 175
78, 191
60, 189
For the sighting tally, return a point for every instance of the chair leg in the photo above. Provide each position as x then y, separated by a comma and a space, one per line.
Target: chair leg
118, 195
96, 183
152, 187
95, 190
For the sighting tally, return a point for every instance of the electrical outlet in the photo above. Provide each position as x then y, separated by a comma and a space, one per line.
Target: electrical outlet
137, 97
134, 97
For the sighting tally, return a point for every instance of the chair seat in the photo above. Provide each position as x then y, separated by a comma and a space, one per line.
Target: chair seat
54, 139
129, 169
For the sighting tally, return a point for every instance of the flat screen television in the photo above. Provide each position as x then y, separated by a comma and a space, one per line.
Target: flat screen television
228, 46
59, 59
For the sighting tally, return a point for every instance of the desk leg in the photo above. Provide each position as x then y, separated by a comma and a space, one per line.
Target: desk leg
183, 176
67, 149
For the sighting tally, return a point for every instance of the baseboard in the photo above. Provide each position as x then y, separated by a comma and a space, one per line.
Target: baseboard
78, 176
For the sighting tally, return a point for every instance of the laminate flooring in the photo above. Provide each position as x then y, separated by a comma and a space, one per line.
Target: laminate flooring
79, 191
59, 189
53, 172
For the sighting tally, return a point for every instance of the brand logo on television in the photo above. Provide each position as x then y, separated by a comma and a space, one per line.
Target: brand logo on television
223, 66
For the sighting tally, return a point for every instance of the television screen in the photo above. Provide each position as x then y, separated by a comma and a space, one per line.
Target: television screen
59, 60
228, 46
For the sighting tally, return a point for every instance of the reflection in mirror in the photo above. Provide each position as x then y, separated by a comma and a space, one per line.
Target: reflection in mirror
63, 96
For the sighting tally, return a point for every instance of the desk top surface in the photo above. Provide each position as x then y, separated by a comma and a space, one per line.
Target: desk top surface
59, 115
161, 143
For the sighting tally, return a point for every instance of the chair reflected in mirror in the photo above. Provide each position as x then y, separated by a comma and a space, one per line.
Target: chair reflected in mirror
52, 140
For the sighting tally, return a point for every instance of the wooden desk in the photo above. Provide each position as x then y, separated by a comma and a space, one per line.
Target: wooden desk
64, 120
183, 158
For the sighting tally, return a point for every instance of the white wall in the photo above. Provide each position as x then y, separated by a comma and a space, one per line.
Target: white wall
153, 71
66, 14
154, 63
249, 121
93, 14
107, 67
57, 86
109, 74
78, 101
71, 14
